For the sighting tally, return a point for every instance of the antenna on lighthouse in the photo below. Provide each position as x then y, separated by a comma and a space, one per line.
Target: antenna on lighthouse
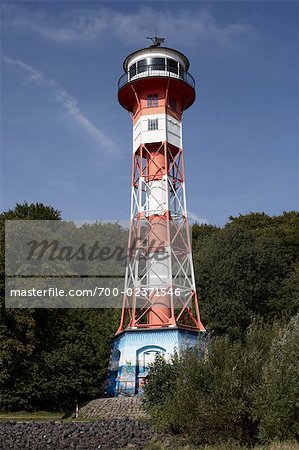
157, 41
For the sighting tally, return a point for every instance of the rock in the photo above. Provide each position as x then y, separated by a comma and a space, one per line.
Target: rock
103, 434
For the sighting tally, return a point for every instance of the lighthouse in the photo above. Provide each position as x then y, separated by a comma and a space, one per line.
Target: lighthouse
160, 312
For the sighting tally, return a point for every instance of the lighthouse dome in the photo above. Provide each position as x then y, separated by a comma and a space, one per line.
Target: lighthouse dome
151, 53
156, 61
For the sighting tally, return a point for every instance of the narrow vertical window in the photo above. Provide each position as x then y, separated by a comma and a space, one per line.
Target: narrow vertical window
172, 65
152, 100
133, 70
172, 103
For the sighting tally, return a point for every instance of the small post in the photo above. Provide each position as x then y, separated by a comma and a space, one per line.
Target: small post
76, 408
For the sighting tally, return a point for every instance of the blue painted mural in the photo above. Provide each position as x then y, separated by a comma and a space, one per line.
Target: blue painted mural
134, 350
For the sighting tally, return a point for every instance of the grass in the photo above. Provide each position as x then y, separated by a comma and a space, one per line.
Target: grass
25, 416
272, 446
43, 416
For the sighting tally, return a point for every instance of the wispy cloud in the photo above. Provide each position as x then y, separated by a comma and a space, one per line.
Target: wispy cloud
182, 26
66, 100
194, 218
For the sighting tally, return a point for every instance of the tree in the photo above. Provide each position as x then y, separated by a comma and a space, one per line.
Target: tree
51, 356
242, 271
75, 365
31, 211
18, 326
283, 228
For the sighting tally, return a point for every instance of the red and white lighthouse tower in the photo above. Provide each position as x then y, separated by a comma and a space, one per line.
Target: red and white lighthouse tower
160, 308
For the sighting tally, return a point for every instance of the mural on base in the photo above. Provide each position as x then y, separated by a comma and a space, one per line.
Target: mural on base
134, 351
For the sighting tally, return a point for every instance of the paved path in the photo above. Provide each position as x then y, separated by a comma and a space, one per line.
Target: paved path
113, 408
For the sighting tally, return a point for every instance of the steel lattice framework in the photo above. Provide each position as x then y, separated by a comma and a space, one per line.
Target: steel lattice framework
160, 289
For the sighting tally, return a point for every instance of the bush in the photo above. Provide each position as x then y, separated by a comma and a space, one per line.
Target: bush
214, 399
278, 400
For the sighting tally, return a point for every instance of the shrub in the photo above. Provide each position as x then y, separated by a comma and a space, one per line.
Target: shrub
214, 399
277, 402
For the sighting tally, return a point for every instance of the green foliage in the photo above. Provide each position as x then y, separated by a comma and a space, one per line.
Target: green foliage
247, 269
163, 376
32, 211
75, 366
51, 356
283, 228
18, 327
278, 401
215, 399
200, 233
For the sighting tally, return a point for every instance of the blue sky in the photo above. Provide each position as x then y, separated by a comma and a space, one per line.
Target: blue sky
66, 141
